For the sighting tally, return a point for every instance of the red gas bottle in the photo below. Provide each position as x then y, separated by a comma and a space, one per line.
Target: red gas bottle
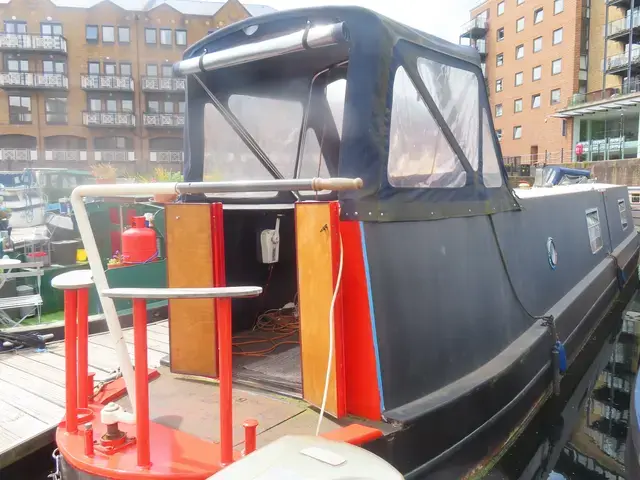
139, 242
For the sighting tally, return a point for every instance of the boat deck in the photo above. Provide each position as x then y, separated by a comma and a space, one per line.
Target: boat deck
32, 397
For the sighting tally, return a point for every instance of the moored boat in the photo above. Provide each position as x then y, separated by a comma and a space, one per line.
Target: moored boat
409, 294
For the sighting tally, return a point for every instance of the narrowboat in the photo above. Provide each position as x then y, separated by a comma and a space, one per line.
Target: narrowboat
346, 250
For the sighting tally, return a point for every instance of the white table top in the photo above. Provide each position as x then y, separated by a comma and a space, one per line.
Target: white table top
165, 293
73, 280
9, 262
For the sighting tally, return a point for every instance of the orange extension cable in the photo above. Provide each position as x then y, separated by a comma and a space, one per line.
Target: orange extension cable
272, 321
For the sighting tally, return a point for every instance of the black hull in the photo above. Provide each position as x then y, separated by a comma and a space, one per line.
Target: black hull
454, 444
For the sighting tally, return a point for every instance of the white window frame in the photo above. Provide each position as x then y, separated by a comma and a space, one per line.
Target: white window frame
520, 24
536, 19
517, 128
553, 36
557, 61
498, 110
594, 231
515, 82
534, 44
518, 101
622, 208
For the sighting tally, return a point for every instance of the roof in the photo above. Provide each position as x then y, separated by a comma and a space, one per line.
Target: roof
186, 7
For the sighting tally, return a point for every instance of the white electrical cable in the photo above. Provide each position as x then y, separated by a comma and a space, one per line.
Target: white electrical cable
331, 342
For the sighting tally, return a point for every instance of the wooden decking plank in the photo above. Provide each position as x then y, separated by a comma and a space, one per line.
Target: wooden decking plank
16, 424
107, 355
151, 342
40, 370
54, 357
35, 385
101, 357
30, 403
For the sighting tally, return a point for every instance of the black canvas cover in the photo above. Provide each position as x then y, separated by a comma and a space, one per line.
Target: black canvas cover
381, 53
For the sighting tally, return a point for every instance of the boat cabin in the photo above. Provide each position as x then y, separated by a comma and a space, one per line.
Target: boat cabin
404, 285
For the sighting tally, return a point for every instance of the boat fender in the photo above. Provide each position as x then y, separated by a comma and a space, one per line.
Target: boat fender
558, 354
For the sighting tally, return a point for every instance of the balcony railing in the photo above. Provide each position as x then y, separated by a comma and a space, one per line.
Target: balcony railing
163, 120
163, 84
109, 156
65, 155
480, 46
31, 80
18, 155
108, 119
168, 156
37, 43
106, 83
622, 25
620, 61
476, 27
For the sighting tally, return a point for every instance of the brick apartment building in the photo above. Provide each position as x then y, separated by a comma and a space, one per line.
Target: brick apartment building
556, 71
87, 84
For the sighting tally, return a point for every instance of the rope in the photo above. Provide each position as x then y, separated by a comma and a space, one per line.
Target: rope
273, 321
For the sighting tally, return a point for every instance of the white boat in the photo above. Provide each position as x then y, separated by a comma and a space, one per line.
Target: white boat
23, 198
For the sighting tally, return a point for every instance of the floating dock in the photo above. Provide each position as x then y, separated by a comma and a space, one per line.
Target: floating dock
32, 390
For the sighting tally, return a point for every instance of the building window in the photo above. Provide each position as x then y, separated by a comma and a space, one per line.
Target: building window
150, 36
517, 132
556, 66
519, 79
593, 227
19, 109
499, 60
108, 34
112, 105
165, 36
168, 107
15, 27
56, 110
53, 66
51, 29
538, 15
500, 8
537, 73
124, 35
181, 107
152, 70
500, 34
519, 2
127, 105
520, 24
499, 134
95, 105
557, 36
558, 6
125, 70
93, 68
167, 70
181, 37
499, 85
622, 207
153, 106
535, 101
555, 96
109, 68
537, 44
519, 52
17, 65
499, 110
91, 33
517, 105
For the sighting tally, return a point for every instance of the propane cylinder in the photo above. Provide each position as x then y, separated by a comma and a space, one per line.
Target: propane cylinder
139, 242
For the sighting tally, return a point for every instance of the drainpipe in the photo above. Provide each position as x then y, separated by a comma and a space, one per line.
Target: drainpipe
633, 6
606, 41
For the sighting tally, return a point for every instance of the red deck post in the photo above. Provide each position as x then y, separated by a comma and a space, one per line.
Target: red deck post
250, 426
225, 355
83, 347
142, 384
70, 366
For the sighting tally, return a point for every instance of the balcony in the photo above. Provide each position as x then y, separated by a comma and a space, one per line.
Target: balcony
163, 84
476, 28
109, 119
624, 4
114, 156
24, 42
18, 155
106, 83
618, 64
33, 81
163, 120
166, 156
619, 29
70, 156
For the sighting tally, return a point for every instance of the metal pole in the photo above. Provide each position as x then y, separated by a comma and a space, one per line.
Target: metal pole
633, 5
606, 41
142, 383
70, 365
83, 348
318, 184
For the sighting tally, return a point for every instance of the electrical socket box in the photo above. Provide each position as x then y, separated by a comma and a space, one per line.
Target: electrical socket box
270, 244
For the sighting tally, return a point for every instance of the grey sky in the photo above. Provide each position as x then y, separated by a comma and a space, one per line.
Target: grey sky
442, 18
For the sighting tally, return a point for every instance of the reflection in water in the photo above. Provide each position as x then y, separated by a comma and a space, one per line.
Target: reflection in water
582, 434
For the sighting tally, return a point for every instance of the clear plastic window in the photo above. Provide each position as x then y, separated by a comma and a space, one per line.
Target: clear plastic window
593, 227
491, 174
419, 153
455, 93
